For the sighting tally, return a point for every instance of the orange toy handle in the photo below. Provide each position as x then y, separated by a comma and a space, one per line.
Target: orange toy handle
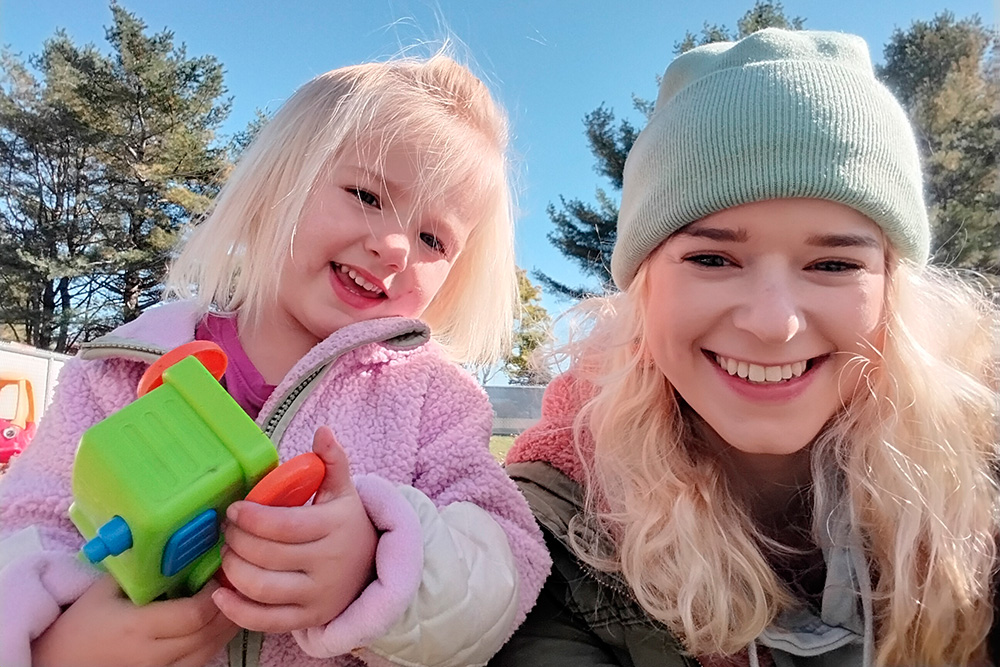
291, 484
208, 353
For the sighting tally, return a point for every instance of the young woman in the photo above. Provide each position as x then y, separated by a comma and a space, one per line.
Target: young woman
778, 444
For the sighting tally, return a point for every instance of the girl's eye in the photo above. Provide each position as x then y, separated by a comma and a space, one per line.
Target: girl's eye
835, 266
432, 242
708, 260
366, 197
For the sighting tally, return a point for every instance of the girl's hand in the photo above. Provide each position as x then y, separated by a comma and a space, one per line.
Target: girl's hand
103, 627
299, 567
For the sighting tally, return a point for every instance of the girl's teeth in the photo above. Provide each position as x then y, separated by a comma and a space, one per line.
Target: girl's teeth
760, 374
361, 282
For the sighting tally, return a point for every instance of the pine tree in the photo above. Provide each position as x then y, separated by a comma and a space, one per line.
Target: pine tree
107, 158
156, 111
46, 215
946, 73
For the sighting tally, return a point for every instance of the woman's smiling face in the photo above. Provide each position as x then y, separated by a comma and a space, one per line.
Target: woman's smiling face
760, 317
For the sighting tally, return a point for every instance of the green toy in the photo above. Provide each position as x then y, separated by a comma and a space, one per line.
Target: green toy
152, 481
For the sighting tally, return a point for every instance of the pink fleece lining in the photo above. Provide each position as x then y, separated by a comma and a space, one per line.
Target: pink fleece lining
51, 580
399, 562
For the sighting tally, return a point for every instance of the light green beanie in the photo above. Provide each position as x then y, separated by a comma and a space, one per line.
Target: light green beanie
778, 114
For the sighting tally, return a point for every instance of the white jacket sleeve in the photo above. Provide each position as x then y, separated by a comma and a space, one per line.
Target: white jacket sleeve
446, 590
468, 595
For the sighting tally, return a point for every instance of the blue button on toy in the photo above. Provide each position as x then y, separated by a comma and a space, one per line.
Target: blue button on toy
189, 542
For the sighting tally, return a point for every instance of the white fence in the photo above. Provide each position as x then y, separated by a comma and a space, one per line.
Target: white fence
39, 367
514, 408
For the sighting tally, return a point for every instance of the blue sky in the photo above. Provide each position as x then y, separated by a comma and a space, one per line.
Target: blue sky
549, 62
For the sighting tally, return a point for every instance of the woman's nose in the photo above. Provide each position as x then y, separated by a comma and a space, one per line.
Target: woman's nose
770, 311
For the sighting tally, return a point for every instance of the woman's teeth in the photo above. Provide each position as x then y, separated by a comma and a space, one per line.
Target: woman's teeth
361, 282
757, 373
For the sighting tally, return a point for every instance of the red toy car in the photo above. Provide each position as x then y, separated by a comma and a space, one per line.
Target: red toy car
16, 431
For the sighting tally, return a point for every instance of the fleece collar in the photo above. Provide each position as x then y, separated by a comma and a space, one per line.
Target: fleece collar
167, 325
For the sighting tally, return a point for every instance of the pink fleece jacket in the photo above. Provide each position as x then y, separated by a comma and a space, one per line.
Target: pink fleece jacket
413, 424
551, 439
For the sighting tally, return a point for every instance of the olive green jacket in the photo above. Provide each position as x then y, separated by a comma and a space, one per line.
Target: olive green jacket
588, 618
583, 617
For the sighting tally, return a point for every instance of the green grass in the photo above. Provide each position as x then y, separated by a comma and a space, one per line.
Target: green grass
499, 444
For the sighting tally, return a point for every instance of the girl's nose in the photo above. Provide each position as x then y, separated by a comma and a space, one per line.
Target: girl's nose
392, 249
771, 312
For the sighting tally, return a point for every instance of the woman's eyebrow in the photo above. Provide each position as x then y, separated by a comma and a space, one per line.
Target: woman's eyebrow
738, 235
844, 241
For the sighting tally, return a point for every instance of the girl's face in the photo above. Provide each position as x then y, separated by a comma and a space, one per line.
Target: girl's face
366, 248
757, 315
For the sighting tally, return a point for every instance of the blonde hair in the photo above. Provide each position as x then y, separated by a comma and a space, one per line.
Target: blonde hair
913, 460
230, 259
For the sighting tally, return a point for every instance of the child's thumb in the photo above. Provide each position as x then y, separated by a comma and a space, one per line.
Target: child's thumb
337, 481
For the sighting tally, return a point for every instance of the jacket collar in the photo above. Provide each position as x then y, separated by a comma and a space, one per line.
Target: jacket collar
167, 325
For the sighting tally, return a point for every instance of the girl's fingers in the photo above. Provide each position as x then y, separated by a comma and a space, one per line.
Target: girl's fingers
264, 553
260, 617
182, 617
288, 525
337, 482
192, 629
264, 585
199, 647
105, 587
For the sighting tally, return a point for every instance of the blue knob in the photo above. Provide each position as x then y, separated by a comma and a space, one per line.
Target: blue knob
112, 538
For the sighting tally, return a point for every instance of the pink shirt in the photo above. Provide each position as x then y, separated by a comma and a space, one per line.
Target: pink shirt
242, 379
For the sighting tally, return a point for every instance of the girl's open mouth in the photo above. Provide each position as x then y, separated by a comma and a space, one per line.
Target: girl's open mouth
356, 283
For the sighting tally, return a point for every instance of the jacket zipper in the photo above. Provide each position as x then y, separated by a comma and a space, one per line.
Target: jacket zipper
103, 350
270, 427
279, 412
612, 582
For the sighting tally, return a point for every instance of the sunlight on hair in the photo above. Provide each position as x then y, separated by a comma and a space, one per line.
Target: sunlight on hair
230, 261
911, 458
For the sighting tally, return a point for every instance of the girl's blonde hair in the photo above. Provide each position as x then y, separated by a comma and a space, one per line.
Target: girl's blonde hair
913, 461
231, 259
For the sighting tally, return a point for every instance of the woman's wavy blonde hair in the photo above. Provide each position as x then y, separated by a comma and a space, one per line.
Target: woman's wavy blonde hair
914, 460
230, 260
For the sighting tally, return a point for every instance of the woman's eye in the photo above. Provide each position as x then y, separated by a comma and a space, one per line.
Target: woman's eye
710, 261
366, 197
835, 266
432, 242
